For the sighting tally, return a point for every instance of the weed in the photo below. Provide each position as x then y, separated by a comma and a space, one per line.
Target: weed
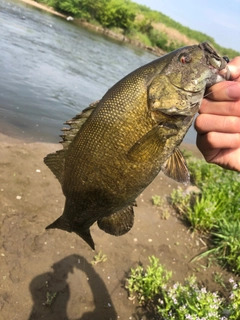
234, 305
100, 257
180, 301
157, 201
226, 244
165, 214
218, 278
216, 210
50, 298
148, 283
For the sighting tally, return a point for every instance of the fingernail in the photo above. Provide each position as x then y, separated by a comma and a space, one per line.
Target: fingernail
234, 71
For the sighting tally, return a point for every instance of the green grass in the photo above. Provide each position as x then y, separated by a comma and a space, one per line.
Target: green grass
215, 211
226, 244
152, 287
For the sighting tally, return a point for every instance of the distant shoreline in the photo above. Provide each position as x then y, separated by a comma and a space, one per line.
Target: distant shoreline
43, 7
117, 36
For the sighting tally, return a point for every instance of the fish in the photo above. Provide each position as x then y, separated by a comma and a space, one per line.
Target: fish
115, 147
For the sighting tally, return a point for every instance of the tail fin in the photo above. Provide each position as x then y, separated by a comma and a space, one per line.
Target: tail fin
86, 236
62, 224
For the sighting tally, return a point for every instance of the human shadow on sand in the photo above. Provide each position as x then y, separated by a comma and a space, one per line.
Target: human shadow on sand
51, 292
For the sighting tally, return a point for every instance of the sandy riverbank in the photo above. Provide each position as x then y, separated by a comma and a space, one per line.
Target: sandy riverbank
44, 7
37, 264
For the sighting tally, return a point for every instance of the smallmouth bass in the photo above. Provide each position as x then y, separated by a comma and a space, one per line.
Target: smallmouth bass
117, 146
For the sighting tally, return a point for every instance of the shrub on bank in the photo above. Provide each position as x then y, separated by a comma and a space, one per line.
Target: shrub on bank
152, 287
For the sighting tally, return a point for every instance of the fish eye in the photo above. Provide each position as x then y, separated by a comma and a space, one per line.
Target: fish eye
226, 59
185, 58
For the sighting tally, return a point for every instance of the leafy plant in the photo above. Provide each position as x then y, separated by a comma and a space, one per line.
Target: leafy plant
148, 283
216, 210
233, 307
50, 298
180, 301
100, 257
157, 200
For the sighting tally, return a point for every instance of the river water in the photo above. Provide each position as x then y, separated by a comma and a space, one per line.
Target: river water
51, 69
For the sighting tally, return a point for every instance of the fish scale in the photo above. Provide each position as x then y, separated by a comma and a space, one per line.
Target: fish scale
118, 145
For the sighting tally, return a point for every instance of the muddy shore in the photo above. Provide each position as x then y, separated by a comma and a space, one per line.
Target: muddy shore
49, 275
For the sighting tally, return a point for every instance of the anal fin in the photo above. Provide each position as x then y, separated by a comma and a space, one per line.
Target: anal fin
119, 222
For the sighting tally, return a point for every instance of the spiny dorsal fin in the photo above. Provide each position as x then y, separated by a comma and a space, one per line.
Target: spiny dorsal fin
75, 124
176, 168
119, 222
55, 161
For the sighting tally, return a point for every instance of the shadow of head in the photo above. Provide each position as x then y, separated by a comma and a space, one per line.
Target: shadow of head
51, 292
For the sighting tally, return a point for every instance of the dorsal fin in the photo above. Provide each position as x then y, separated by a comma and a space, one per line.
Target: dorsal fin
55, 161
75, 124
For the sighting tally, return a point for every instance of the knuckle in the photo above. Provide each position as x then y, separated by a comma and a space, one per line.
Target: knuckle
231, 124
199, 123
211, 138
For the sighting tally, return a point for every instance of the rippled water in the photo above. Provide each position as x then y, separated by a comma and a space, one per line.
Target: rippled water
51, 69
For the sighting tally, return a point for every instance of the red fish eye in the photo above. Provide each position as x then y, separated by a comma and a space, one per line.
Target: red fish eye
182, 59
185, 59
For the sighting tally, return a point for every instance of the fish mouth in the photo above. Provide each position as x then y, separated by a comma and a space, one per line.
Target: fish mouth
218, 76
225, 73
217, 63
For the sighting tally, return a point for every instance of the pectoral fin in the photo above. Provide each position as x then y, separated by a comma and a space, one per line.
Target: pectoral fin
152, 142
119, 222
176, 168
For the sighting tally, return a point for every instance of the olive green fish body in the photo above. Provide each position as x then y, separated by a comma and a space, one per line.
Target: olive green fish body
118, 145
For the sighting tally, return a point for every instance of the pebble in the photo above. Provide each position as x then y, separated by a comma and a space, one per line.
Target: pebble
18, 197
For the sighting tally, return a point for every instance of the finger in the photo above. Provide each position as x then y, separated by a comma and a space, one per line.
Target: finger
217, 140
234, 68
224, 91
224, 108
205, 123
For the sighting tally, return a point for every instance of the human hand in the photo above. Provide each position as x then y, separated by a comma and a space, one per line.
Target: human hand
218, 123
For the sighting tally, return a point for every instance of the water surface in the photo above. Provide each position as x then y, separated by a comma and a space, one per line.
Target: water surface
51, 69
